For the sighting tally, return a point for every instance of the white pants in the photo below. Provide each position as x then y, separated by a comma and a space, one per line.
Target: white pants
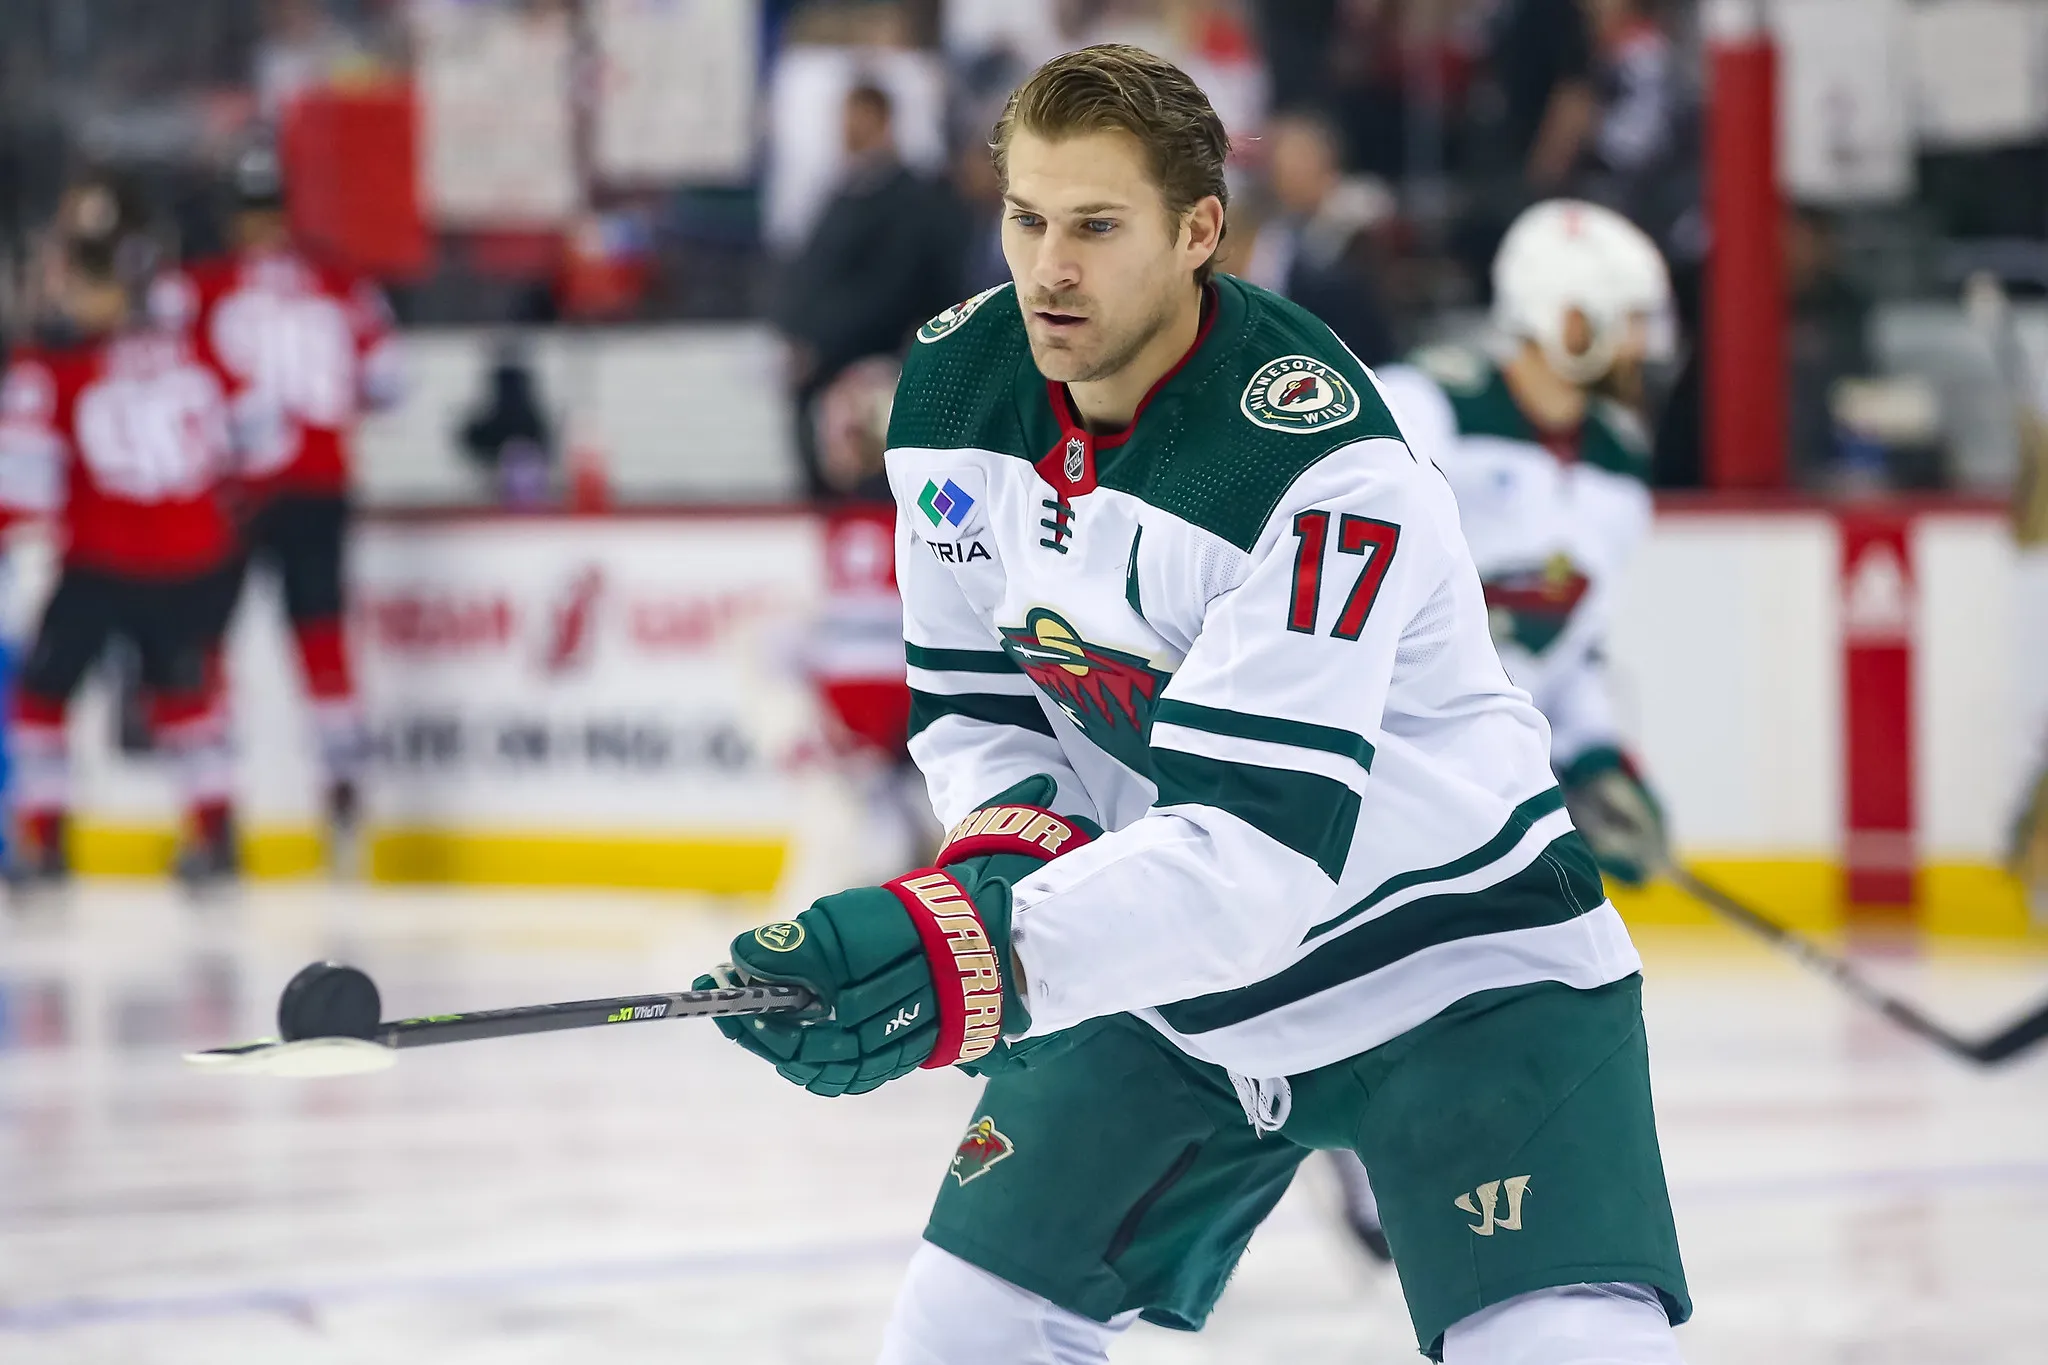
950, 1313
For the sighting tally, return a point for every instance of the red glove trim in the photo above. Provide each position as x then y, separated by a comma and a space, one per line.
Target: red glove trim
1031, 831
965, 974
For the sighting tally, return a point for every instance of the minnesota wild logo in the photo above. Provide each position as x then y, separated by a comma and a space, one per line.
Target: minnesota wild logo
1108, 693
1298, 393
982, 1148
1532, 608
954, 316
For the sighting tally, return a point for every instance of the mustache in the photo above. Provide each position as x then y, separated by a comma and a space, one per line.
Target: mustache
1057, 303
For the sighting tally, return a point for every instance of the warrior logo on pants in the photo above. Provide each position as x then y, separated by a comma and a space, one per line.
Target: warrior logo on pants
982, 1148
1488, 1207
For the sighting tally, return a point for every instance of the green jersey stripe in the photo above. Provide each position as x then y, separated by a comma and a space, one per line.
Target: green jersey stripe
1244, 725
991, 707
1308, 813
1562, 884
1518, 823
958, 660
1132, 594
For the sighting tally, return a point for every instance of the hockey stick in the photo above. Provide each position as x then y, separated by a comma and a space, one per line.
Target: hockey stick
2007, 1042
328, 1021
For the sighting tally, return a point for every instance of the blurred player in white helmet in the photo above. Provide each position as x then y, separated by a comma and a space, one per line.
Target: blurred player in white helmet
1541, 437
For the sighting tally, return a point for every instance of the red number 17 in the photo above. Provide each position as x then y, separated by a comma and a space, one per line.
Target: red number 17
1375, 540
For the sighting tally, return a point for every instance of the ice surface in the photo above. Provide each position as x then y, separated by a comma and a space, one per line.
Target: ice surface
1844, 1194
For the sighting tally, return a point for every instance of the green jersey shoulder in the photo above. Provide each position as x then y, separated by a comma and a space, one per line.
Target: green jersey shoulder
1268, 393
1268, 396
961, 377
1613, 437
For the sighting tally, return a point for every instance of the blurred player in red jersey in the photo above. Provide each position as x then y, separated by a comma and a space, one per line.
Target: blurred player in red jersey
123, 434
855, 655
314, 345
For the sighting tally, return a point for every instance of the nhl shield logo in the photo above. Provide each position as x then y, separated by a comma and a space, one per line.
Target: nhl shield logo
1077, 459
950, 320
982, 1148
1299, 393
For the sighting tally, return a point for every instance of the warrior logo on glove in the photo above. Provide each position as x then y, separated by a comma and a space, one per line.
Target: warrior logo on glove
784, 937
1001, 829
973, 1002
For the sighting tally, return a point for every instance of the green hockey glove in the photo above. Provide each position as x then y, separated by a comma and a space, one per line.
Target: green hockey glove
916, 973
1618, 816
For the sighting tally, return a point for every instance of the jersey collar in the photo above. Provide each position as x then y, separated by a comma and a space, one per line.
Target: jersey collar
1070, 465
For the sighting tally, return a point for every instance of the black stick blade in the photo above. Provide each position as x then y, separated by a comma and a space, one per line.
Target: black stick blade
2014, 1040
329, 1000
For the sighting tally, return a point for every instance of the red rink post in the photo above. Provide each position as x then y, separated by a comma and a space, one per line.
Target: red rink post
1879, 611
1744, 327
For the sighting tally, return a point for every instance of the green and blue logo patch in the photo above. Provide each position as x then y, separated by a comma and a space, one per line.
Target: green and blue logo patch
947, 502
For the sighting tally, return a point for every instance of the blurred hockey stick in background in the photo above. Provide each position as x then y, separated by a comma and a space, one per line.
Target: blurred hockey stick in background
1990, 312
2008, 1042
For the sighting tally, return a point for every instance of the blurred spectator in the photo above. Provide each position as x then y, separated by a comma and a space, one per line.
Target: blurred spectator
1318, 248
981, 199
509, 436
302, 48
1295, 36
883, 256
1827, 342
1643, 151
1543, 109
1530, 118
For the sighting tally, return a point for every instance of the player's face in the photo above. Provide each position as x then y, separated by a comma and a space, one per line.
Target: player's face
1623, 381
1101, 266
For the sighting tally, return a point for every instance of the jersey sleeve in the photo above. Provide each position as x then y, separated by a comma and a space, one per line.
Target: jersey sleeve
383, 361
1425, 415
32, 447
976, 725
1261, 746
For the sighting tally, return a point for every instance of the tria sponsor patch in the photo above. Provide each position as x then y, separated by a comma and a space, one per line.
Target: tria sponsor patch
982, 1148
944, 502
1299, 393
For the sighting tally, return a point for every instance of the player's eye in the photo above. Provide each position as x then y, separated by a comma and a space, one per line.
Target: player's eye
1030, 222
1100, 227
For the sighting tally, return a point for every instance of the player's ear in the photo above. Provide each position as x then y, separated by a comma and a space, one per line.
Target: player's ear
1201, 228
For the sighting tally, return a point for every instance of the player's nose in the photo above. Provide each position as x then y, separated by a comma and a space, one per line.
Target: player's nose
1054, 266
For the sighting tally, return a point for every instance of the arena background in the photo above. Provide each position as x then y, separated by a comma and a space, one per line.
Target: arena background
597, 749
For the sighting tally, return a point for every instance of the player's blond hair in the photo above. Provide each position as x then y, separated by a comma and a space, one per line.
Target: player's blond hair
1113, 87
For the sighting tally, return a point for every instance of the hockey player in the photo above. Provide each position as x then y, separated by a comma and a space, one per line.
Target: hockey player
1543, 447
1255, 849
124, 435
315, 344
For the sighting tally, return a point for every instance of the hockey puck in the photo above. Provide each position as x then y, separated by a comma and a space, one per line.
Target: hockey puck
328, 1000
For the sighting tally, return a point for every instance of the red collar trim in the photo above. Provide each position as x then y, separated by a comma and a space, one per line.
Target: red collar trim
1070, 465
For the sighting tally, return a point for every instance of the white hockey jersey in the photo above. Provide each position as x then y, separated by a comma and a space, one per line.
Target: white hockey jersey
1551, 524
1246, 636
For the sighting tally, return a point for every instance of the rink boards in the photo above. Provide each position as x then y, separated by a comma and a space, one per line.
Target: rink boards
620, 700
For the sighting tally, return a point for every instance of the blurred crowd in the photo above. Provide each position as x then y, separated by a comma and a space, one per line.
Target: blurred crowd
1381, 148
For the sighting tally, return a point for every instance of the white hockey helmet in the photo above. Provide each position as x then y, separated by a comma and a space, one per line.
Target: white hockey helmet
1564, 254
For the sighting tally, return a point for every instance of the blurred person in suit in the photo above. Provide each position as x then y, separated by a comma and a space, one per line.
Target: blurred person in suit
884, 255
1318, 249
